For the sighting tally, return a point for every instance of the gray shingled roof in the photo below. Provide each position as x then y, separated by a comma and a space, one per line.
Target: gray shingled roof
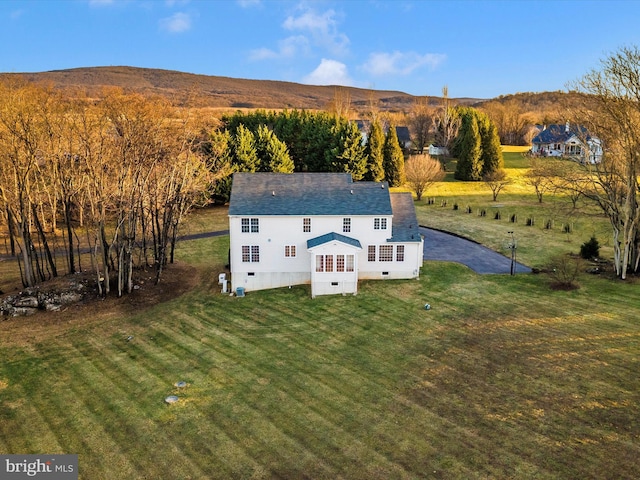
329, 237
405, 221
306, 194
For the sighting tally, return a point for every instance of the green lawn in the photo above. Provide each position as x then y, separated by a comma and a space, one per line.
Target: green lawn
502, 378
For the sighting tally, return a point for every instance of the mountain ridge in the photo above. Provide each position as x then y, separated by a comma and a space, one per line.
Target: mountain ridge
198, 90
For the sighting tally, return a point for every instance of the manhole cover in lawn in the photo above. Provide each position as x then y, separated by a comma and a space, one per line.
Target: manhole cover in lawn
171, 399
180, 384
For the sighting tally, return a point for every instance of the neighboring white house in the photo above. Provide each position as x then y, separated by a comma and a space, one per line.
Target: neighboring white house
322, 229
433, 150
567, 141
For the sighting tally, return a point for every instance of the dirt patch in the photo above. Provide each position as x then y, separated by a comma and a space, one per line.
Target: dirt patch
93, 310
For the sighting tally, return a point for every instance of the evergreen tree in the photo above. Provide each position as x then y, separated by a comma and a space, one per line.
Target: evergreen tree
468, 148
243, 146
491, 157
350, 153
374, 152
393, 159
272, 152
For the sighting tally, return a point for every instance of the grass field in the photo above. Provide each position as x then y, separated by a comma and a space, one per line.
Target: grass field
502, 378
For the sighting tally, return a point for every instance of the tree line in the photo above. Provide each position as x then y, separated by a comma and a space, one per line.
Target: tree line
302, 141
120, 173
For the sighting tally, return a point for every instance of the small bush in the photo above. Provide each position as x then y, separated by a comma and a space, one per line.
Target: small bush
455, 206
567, 228
590, 249
498, 215
530, 222
564, 271
482, 213
468, 209
548, 225
513, 218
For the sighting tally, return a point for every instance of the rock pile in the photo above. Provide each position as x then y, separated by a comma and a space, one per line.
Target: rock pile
33, 299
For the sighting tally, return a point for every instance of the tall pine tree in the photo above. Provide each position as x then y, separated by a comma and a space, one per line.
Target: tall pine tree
468, 148
272, 152
393, 159
492, 160
374, 151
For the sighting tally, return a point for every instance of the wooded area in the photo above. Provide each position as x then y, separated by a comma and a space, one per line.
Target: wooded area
121, 173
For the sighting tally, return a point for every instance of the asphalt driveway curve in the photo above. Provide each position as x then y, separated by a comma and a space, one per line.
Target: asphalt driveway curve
443, 246
439, 245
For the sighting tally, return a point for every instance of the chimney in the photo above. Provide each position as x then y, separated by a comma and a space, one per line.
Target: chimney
566, 127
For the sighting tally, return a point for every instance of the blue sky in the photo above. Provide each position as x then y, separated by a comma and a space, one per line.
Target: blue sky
478, 49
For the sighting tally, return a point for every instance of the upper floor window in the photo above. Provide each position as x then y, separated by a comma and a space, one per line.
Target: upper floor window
289, 250
250, 225
306, 225
346, 225
379, 223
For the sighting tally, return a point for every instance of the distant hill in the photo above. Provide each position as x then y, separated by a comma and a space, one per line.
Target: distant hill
219, 92
205, 91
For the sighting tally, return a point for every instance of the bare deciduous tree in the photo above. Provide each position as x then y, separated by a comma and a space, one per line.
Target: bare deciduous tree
611, 112
422, 171
496, 180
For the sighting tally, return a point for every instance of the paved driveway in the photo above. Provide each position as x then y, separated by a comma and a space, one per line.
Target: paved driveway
450, 248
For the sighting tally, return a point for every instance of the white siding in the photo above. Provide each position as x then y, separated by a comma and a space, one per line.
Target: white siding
274, 270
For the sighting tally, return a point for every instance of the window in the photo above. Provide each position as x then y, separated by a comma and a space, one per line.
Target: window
324, 263
328, 263
250, 253
386, 253
371, 253
249, 225
346, 225
400, 253
289, 250
379, 223
339, 263
350, 262
306, 225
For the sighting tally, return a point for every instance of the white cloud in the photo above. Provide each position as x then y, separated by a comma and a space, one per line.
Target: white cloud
248, 3
287, 48
323, 29
329, 72
399, 63
177, 23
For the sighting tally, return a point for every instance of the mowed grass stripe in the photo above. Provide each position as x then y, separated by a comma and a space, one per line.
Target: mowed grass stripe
124, 418
263, 376
306, 379
154, 361
247, 378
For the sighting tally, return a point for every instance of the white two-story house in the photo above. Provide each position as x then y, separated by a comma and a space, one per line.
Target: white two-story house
321, 229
